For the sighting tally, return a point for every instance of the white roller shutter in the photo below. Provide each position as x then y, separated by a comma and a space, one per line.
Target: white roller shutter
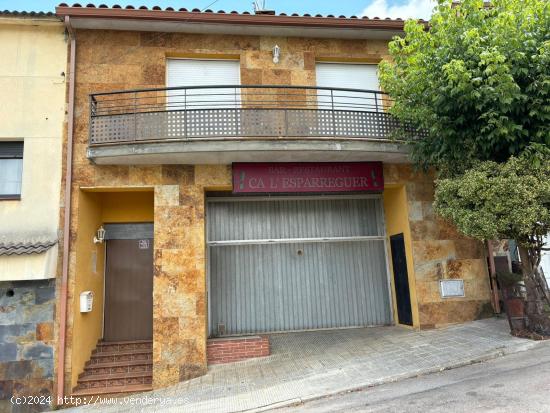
353, 76
348, 76
192, 72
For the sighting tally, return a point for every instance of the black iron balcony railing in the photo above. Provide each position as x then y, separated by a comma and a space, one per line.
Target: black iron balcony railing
220, 112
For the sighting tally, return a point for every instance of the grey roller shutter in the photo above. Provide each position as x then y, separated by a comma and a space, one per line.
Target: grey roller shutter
296, 264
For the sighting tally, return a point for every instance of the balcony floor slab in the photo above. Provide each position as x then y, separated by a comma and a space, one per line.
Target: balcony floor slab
226, 151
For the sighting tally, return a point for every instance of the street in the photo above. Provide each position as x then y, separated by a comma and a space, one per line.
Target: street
516, 383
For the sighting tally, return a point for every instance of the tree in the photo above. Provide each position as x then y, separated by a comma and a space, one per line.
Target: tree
477, 80
502, 201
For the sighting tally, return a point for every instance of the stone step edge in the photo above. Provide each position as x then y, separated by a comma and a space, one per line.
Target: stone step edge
121, 353
108, 343
113, 358
124, 363
99, 377
120, 347
106, 391
89, 372
104, 384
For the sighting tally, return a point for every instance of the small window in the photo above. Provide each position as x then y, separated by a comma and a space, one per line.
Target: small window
11, 169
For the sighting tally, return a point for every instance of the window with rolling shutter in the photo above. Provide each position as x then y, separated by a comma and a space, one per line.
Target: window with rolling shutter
11, 169
349, 76
196, 72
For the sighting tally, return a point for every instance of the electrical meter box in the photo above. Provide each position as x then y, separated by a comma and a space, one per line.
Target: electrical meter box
86, 301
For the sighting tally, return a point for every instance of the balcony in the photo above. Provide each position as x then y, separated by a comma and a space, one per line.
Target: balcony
224, 124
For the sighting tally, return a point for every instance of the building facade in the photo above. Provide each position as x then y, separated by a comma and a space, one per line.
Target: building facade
232, 175
32, 78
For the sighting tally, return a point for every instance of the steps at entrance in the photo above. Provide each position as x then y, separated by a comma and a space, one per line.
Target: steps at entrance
117, 367
103, 346
120, 356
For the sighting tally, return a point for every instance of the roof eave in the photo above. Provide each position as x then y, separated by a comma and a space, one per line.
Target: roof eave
387, 25
28, 18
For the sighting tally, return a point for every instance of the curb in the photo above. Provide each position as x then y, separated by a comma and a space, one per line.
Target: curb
499, 352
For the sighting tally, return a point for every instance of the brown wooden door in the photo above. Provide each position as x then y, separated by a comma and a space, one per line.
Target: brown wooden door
129, 290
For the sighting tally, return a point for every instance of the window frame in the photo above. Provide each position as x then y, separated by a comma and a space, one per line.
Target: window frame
14, 153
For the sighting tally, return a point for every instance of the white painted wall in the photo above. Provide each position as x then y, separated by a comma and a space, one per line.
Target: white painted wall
32, 80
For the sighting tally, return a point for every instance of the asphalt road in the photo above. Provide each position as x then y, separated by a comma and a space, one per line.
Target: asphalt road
516, 383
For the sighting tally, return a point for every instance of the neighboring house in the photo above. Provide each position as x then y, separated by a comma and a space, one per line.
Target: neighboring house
187, 227
545, 261
32, 113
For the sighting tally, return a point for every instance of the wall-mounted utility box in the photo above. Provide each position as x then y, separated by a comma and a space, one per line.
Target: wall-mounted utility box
86, 301
451, 288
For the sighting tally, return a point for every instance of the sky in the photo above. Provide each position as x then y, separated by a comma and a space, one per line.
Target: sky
370, 8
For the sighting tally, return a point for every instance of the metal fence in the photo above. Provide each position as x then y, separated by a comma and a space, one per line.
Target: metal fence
245, 111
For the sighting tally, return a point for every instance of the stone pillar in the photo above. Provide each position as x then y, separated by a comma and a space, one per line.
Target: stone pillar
179, 286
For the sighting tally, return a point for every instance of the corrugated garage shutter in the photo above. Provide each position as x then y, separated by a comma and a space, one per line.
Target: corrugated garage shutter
348, 76
284, 264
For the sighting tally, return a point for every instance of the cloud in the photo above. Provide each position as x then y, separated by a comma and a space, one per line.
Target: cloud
409, 9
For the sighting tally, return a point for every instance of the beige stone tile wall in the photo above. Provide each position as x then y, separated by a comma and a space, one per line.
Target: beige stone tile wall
179, 286
108, 61
441, 252
116, 60
179, 296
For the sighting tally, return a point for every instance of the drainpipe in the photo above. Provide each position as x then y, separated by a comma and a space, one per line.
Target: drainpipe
67, 217
492, 272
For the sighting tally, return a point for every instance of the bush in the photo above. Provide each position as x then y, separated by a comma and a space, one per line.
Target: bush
508, 279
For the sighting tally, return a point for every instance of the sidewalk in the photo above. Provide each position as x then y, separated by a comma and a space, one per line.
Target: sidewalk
309, 365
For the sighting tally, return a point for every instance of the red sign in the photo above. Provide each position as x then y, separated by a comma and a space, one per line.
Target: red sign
318, 177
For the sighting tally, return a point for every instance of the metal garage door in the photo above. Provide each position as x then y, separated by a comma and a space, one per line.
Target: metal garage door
281, 264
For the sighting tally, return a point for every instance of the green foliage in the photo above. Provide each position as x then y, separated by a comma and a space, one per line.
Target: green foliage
508, 279
478, 81
509, 200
